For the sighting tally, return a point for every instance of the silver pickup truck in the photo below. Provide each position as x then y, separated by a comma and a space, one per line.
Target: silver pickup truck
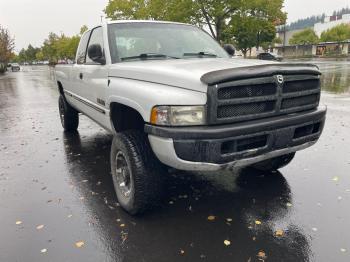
173, 97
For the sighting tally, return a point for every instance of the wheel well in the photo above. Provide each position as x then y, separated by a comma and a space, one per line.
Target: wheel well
60, 88
125, 118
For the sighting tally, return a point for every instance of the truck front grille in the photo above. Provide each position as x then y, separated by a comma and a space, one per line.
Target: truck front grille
250, 99
246, 91
226, 111
300, 101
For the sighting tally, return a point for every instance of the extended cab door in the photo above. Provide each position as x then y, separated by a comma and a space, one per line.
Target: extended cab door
95, 81
76, 87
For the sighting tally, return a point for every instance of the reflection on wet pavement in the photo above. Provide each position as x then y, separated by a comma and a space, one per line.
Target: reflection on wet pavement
62, 181
335, 75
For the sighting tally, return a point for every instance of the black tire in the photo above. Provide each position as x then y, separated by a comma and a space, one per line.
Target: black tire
68, 115
139, 185
274, 163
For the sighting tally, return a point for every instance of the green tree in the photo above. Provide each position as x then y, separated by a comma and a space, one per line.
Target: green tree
242, 32
40, 56
7, 45
336, 34
49, 47
216, 15
171, 10
305, 37
22, 56
31, 53
83, 29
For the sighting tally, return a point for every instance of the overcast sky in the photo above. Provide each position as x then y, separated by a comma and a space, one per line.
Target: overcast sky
30, 21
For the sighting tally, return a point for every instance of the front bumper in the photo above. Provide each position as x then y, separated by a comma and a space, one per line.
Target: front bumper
212, 148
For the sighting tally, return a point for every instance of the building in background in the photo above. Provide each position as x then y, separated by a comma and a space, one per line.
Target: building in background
321, 49
330, 22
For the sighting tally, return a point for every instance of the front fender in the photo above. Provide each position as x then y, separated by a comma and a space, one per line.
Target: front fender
143, 96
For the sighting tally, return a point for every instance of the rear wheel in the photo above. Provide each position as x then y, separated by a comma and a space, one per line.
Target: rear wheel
68, 115
136, 173
274, 163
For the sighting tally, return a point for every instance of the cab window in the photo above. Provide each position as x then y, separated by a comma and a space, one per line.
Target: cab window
81, 53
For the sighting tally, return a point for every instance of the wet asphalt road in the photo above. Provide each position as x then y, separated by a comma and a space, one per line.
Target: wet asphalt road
62, 181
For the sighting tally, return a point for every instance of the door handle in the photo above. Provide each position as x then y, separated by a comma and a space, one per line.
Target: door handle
81, 75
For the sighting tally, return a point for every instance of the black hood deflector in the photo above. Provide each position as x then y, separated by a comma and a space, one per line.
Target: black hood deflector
232, 74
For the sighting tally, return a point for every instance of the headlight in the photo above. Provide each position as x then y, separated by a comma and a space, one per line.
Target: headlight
178, 115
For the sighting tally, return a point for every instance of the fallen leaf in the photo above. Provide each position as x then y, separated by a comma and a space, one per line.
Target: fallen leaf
211, 218
44, 250
40, 227
18, 222
261, 255
279, 233
79, 244
124, 236
227, 242
257, 222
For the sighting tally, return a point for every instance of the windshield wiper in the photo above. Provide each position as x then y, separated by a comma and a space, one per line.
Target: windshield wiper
200, 54
146, 56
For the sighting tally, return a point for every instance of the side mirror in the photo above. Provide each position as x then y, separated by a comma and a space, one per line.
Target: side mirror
230, 49
95, 54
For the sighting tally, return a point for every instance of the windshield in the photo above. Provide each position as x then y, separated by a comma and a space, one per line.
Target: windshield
146, 41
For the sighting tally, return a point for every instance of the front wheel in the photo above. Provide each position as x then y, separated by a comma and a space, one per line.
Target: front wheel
68, 115
274, 163
136, 173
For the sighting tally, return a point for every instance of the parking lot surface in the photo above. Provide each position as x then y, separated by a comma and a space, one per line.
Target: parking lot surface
57, 201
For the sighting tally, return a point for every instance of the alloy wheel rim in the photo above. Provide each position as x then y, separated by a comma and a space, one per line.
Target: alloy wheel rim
122, 174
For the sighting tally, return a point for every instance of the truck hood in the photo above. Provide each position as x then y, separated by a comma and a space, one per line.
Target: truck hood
183, 73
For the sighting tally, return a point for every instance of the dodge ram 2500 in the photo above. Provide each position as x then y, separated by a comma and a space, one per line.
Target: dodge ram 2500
172, 96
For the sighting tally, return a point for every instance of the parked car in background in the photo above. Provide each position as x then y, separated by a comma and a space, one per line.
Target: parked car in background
15, 67
269, 56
